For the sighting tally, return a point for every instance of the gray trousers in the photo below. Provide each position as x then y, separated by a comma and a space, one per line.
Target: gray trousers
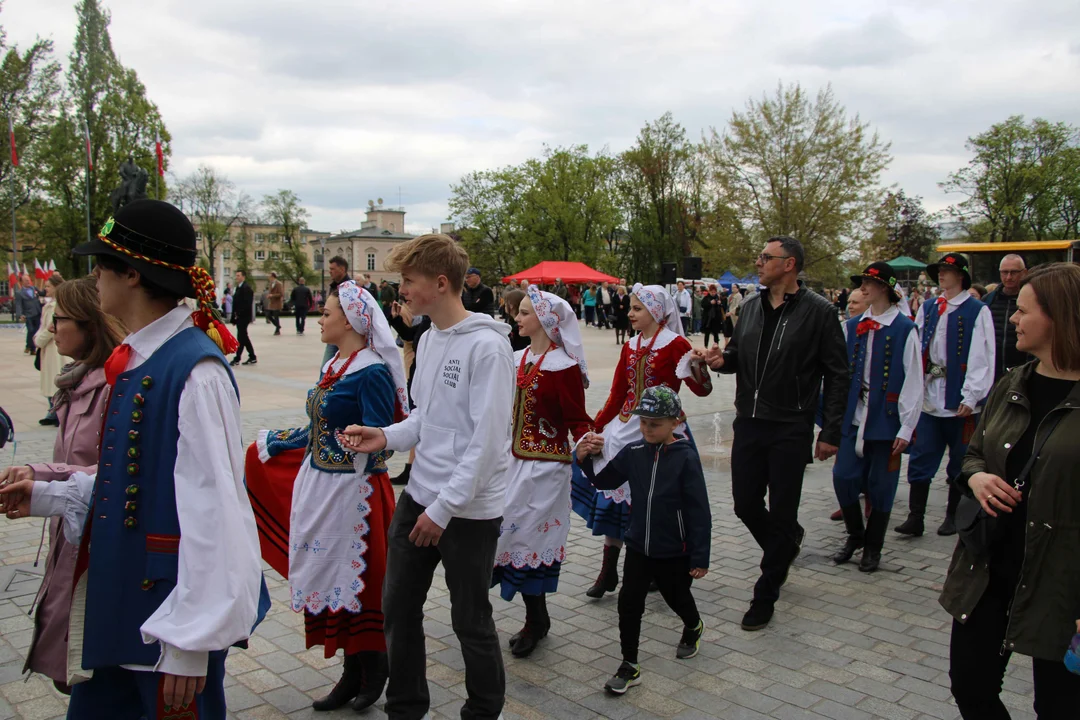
467, 553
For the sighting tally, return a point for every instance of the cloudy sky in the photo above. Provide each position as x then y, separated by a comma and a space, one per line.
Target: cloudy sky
344, 101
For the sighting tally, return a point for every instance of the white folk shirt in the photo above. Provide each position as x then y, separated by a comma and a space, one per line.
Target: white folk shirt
215, 601
683, 299
980, 363
910, 402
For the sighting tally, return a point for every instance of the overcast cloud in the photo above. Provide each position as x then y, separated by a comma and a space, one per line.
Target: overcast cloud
344, 101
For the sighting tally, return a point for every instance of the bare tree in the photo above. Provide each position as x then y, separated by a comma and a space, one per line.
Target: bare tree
213, 203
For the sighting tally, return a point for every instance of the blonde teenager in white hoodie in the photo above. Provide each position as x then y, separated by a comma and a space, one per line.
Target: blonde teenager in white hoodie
451, 510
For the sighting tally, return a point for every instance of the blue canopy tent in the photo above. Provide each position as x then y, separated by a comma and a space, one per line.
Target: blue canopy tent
727, 279
749, 280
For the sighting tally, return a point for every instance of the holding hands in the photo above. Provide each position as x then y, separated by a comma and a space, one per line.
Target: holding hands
360, 439
713, 357
590, 444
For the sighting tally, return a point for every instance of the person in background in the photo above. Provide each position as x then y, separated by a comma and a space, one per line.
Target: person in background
523, 286
977, 291
410, 328
842, 301
588, 300
301, 300
227, 302
1002, 303
51, 359
476, 296
511, 305
603, 300
28, 309
857, 305
560, 289
620, 308
684, 301
339, 273
243, 309
696, 308
957, 335
607, 299
81, 331
264, 301
712, 316
575, 299
735, 298
387, 297
275, 299
1021, 593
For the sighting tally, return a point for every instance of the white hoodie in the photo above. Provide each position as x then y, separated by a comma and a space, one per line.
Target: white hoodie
463, 389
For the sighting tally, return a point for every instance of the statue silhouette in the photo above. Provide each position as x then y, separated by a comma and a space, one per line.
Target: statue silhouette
133, 180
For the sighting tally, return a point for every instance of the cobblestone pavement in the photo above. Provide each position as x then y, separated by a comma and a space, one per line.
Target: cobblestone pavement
843, 644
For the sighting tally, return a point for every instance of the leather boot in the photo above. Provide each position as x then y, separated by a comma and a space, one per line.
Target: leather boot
608, 579
854, 522
376, 672
948, 526
347, 687
917, 494
537, 625
875, 540
403, 478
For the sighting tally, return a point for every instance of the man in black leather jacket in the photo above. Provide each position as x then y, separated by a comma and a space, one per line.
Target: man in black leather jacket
788, 339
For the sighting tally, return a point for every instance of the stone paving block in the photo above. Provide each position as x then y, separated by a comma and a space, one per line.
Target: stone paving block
287, 699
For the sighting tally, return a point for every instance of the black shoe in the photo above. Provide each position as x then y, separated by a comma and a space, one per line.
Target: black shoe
250, 361
234, 362
403, 478
347, 687
49, 420
626, 677
914, 525
690, 642
608, 579
876, 528
855, 539
376, 671
948, 526
277, 332
537, 625
758, 616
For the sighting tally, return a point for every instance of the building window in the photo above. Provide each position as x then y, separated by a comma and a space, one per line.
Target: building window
198, 235
260, 254
275, 255
370, 261
228, 274
226, 254
258, 237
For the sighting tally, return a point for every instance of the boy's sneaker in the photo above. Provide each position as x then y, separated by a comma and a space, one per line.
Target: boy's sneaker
690, 642
626, 677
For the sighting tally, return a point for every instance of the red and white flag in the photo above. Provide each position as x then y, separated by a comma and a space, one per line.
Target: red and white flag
13, 276
11, 137
89, 154
39, 272
159, 153
51, 267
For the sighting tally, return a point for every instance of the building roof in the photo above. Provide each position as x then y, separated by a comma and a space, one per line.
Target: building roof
370, 233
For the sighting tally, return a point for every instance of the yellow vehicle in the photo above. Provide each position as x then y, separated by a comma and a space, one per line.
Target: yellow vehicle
985, 257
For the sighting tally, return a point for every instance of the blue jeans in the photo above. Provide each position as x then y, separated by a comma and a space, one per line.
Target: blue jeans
932, 436
114, 693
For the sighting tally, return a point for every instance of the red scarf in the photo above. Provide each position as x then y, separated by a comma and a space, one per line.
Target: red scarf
117, 363
866, 326
942, 305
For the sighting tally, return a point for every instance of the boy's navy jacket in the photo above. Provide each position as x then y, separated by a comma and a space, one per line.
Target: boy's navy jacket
670, 515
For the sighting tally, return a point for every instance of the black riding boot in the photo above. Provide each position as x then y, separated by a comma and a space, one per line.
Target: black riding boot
608, 579
537, 625
875, 540
347, 687
917, 494
948, 526
376, 672
855, 534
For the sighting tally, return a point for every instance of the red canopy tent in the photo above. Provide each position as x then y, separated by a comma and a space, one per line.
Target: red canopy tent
569, 272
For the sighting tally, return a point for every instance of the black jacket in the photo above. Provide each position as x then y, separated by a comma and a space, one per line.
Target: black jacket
671, 515
243, 304
1002, 307
301, 299
808, 346
479, 299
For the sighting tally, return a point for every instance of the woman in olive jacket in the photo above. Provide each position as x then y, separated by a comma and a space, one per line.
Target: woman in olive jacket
1023, 595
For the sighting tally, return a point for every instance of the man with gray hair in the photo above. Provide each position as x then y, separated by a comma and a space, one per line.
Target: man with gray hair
1002, 304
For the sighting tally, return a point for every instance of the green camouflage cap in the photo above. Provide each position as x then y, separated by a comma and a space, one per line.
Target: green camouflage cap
659, 402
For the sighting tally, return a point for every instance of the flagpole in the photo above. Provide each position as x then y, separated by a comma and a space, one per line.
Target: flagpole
14, 164
89, 236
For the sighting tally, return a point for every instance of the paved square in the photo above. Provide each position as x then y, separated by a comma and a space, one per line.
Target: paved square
843, 644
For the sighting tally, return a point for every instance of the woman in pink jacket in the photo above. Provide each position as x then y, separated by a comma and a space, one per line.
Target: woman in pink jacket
85, 333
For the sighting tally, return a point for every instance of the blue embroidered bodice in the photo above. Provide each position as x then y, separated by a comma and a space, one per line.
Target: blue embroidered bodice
365, 397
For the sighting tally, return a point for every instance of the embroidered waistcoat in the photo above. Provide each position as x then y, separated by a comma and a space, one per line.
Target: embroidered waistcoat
133, 522
959, 330
886, 376
546, 414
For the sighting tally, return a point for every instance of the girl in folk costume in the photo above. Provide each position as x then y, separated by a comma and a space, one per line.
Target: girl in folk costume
549, 406
324, 512
658, 355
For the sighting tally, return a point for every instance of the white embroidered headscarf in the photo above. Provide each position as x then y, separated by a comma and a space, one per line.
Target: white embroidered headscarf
367, 319
561, 325
660, 305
